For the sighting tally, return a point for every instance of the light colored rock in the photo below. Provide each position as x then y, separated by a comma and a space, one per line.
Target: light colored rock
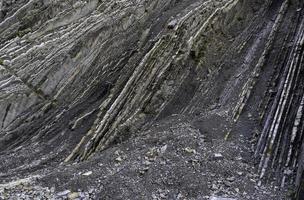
221, 198
73, 195
87, 173
218, 156
63, 193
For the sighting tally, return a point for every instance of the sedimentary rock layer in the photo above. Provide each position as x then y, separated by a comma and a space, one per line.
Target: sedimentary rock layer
83, 80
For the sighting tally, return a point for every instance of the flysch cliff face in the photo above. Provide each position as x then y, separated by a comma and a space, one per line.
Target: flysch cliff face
151, 99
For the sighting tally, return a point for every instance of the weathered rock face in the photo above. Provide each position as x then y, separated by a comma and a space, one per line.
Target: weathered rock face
137, 99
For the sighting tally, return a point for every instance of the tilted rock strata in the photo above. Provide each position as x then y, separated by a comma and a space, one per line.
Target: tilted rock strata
79, 77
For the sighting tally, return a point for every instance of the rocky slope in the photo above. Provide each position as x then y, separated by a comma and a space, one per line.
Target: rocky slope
151, 99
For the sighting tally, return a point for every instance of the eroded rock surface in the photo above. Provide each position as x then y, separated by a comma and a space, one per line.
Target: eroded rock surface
151, 99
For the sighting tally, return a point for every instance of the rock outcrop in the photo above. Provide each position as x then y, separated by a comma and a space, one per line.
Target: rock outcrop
151, 99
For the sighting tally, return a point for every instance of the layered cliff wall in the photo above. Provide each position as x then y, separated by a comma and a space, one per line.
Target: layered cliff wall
213, 89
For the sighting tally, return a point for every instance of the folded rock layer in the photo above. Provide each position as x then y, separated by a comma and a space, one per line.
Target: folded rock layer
151, 99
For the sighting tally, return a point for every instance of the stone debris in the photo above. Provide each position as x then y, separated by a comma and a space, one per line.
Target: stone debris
189, 150
218, 156
222, 198
87, 173
172, 24
151, 99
